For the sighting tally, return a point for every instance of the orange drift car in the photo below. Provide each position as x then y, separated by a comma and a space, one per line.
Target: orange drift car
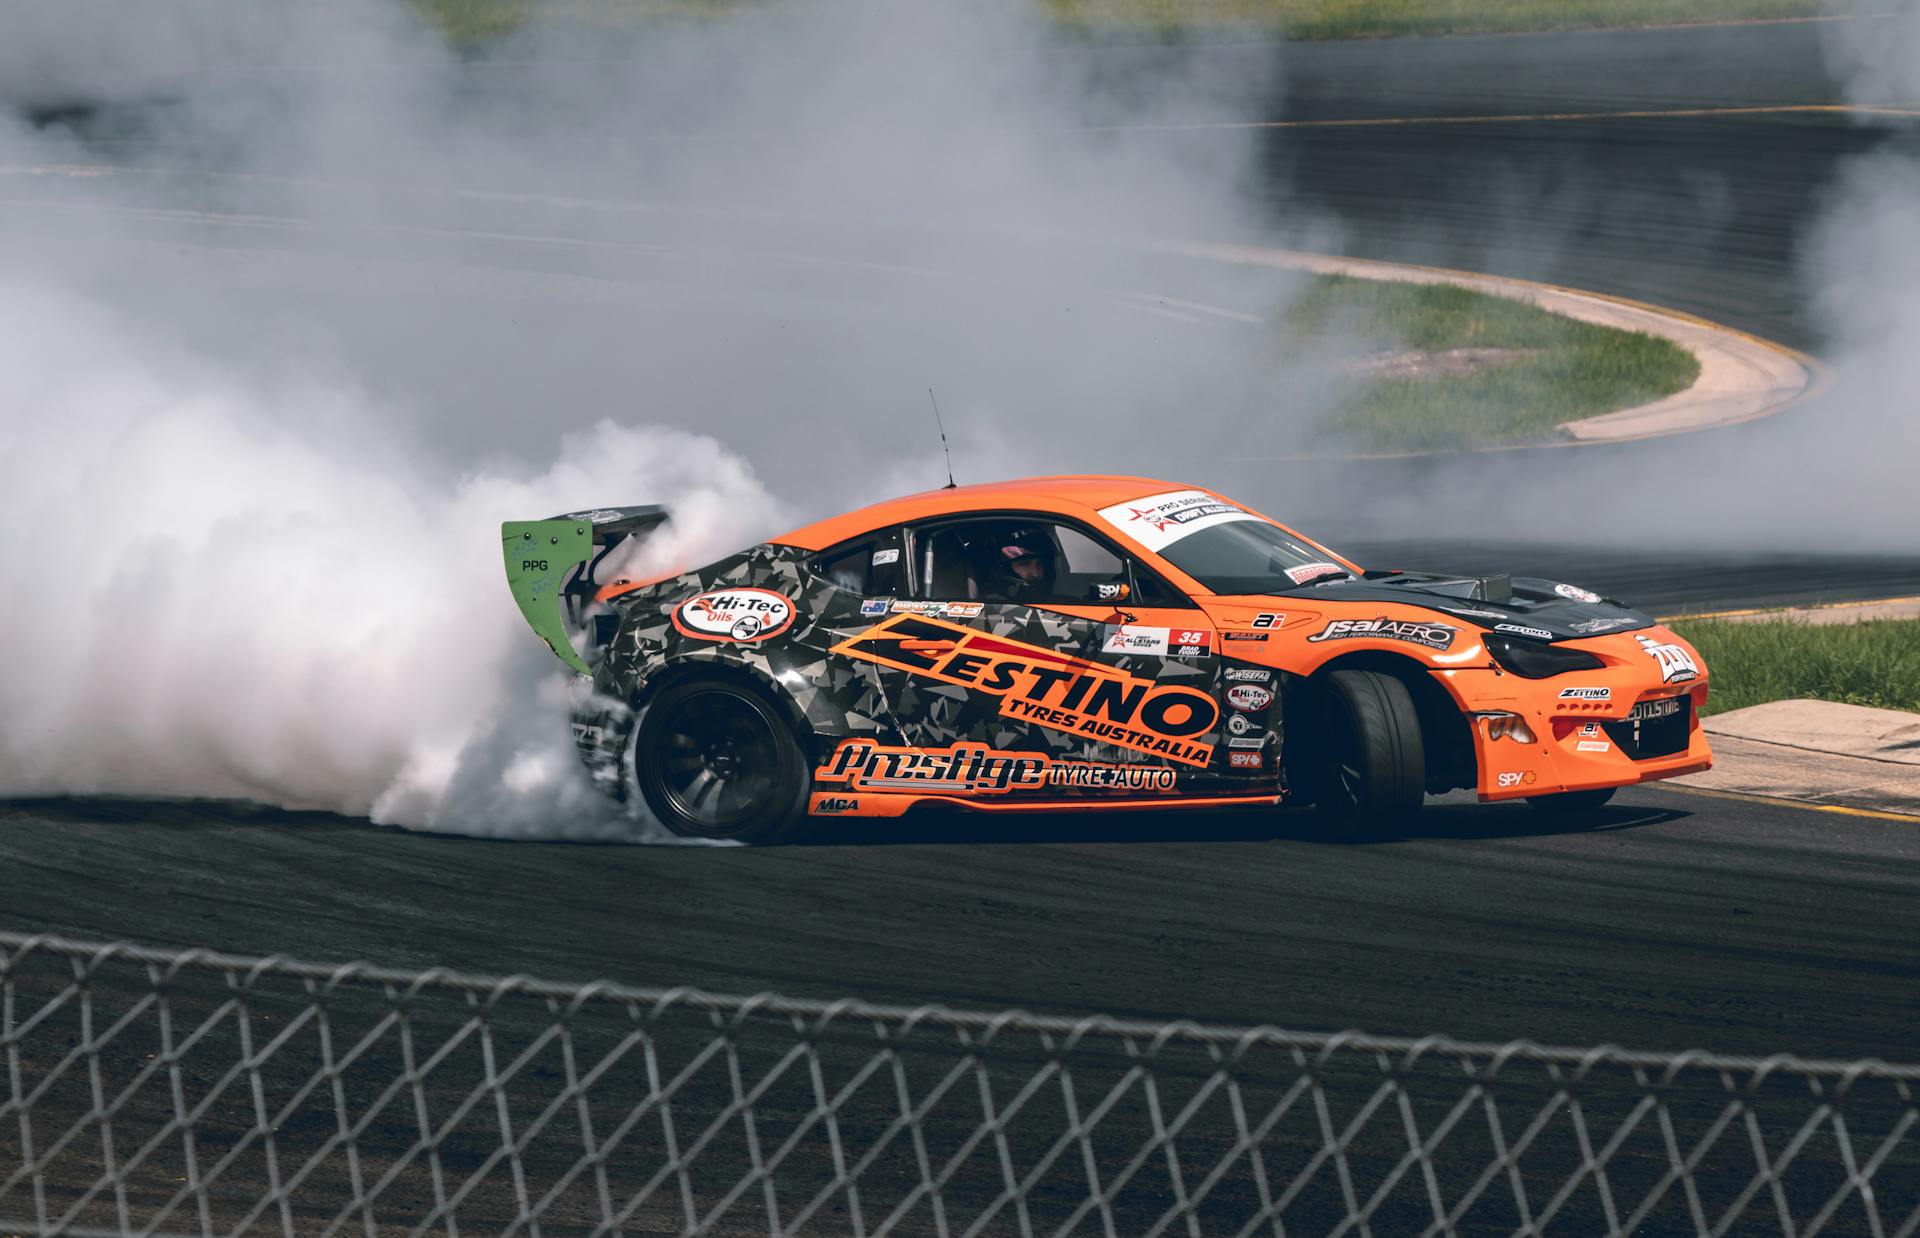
1087, 642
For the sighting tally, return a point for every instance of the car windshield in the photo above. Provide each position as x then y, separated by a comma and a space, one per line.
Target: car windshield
1250, 556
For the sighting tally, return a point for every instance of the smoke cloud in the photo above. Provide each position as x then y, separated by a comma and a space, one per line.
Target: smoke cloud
299, 301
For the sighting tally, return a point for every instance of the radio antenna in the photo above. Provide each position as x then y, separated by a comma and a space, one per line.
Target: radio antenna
943, 438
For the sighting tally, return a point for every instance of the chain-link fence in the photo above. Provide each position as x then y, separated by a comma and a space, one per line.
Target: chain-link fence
149, 1092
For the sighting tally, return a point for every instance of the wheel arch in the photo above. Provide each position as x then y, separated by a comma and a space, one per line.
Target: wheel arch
760, 681
1448, 735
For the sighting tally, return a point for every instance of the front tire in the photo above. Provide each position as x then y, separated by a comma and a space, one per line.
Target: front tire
715, 759
1368, 767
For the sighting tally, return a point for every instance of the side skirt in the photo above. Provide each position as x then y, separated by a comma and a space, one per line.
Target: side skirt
838, 803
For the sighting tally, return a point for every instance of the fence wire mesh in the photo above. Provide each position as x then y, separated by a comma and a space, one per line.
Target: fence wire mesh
156, 1092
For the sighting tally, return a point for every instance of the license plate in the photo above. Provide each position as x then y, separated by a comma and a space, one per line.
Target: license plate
1665, 707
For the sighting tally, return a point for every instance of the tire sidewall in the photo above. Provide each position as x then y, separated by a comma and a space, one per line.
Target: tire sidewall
1355, 710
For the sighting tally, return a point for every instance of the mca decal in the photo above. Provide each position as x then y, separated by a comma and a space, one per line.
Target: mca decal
1046, 688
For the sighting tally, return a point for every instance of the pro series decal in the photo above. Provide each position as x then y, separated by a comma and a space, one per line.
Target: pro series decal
742, 616
1159, 520
976, 769
1045, 687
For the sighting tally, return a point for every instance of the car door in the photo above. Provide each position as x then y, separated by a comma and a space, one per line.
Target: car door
1099, 666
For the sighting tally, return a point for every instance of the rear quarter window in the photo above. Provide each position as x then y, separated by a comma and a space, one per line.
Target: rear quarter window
871, 566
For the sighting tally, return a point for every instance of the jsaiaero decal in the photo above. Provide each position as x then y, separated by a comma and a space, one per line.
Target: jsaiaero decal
976, 769
1432, 635
739, 615
1046, 688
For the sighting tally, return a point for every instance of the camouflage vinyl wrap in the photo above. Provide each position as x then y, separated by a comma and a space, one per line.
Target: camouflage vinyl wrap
833, 697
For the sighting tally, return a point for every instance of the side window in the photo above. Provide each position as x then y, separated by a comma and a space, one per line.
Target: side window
1013, 559
1085, 563
871, 566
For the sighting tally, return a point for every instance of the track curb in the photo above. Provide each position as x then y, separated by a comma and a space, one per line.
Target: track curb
1743, 378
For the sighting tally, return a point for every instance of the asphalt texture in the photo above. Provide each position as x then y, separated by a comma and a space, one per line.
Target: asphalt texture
1678, 920
1672, 920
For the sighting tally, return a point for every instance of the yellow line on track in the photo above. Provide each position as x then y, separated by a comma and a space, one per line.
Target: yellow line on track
1774, 801
1777, 109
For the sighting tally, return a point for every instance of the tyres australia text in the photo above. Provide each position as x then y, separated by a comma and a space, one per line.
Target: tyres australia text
1047, 688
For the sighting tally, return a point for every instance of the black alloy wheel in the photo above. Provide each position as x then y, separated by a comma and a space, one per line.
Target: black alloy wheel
715, 759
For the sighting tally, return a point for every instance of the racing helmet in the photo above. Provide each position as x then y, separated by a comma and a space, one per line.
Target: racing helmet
1024, 562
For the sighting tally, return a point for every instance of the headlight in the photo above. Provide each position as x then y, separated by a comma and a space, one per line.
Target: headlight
1531, 660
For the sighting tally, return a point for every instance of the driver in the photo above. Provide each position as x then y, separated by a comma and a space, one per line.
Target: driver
1023, 566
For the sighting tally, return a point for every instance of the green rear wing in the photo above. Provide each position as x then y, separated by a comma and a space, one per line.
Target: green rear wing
551, 564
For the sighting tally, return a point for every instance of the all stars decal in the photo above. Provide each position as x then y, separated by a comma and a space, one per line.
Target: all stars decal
1046, 687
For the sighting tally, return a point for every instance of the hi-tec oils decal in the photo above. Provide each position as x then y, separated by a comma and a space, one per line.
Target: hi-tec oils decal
975, 769
1250, 697
1045, 687
741, 615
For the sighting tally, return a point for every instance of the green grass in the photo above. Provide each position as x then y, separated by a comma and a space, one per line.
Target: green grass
1572, 369
472, 20
1872, 663
475, 21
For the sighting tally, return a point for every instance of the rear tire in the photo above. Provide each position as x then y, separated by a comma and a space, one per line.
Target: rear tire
715, 759
1572, 803
1368, 764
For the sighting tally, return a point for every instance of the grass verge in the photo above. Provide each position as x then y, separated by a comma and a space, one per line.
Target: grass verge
1876, 662
1560, 369
469, 20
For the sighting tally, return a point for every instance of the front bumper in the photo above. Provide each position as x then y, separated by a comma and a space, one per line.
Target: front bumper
1582, 745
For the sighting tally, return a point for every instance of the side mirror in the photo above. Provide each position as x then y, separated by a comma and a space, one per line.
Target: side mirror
1110, 591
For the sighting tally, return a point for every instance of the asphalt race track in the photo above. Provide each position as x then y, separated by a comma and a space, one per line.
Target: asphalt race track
1677, 920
